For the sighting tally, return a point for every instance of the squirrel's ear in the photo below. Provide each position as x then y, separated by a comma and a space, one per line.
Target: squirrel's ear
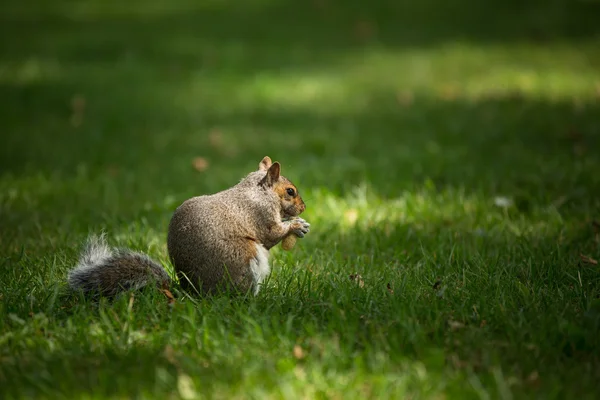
273, 174
265, 164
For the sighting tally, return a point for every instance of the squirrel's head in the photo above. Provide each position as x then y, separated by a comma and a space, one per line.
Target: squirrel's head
291, 203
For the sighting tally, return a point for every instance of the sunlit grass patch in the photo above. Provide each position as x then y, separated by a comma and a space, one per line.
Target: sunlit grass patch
423, 203
449, 71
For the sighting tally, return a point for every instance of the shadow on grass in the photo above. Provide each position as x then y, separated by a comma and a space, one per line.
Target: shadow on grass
167, 32
505, 145
130, 65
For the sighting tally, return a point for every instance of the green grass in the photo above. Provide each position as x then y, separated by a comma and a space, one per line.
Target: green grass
406, 125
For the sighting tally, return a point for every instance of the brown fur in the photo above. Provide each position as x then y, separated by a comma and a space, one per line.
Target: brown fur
207, 237
215, 241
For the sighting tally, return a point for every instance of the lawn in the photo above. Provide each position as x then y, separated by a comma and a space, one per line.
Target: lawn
447, 151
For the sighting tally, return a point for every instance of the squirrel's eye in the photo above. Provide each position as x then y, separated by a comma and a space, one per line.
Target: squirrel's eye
291, 191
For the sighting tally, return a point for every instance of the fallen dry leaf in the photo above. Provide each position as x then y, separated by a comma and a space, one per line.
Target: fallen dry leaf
200, 164
215, 137
405, 98
358, 279
588, 260
533, 378
320, 4
78, 104
112, 170
298, 352
449, 92
170, 354
364, 30
168, 295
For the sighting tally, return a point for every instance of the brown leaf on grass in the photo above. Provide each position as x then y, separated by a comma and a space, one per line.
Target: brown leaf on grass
588, 260
533, 378
215, 137
200, 164
298, 352
449, 92
389, 288
358, 279
364, 30
168, 295
405, 98
78, 104
112, 170
170, 354
320, 4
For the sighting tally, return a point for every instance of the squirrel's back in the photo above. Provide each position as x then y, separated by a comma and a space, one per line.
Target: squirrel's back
213, 235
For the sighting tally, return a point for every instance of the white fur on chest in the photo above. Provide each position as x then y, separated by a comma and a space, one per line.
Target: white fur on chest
260, 267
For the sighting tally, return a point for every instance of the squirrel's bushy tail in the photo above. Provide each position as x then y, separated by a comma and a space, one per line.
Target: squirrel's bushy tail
104, 271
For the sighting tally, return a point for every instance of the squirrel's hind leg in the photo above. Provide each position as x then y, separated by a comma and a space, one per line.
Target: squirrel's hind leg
259, 266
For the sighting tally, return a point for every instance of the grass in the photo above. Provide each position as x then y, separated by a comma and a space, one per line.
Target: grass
447, 153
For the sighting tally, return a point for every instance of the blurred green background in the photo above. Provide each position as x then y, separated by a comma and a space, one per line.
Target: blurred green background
112, 103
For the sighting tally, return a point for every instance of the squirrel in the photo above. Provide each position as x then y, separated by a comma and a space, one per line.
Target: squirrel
214, 241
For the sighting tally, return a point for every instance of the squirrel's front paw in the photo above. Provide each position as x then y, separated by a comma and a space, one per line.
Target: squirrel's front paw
300, 227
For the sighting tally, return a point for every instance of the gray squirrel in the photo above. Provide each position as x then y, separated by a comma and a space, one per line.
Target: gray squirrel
214, 241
